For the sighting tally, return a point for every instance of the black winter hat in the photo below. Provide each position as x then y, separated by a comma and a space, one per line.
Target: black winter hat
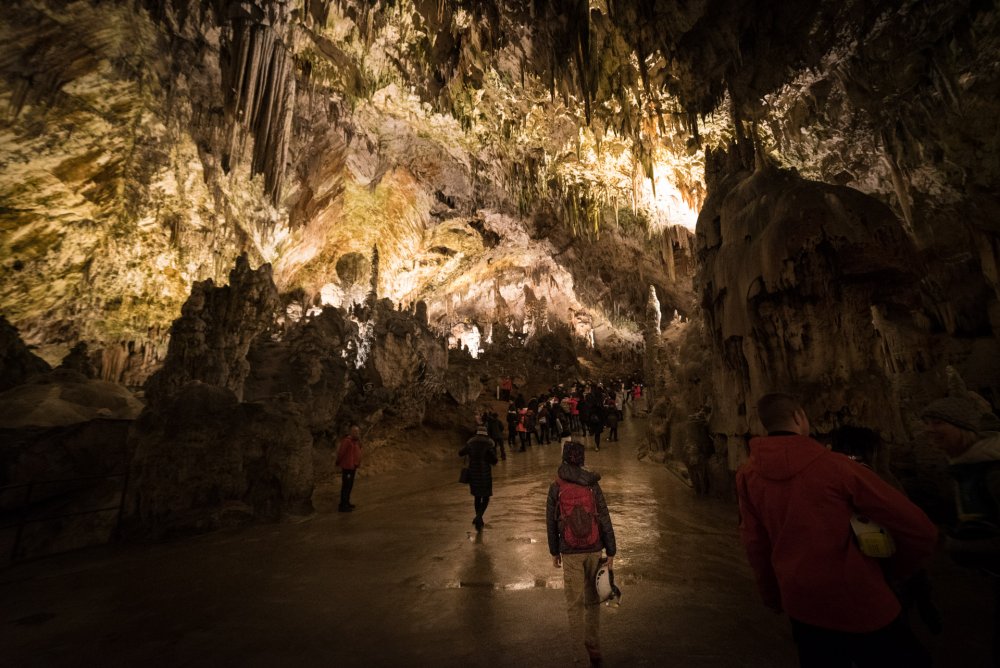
573, 453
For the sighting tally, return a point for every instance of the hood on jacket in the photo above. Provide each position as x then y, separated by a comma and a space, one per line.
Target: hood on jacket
782, 457
578, 474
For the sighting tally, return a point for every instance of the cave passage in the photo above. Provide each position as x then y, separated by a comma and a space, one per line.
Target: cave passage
404, 580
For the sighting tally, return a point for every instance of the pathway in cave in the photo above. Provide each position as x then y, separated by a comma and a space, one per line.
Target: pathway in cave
405, 581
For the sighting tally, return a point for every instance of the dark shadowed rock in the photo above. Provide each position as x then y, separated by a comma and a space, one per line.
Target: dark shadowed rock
17, 362
209, 342
79, 359
64, 397
72, 470
204, 460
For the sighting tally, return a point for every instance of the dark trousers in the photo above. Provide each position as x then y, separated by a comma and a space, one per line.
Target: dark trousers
481, 503
893, 645
346, 485
511, 435
498, 443
613, 433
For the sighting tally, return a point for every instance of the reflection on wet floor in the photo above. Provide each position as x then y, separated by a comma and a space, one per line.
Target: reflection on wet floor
405, 581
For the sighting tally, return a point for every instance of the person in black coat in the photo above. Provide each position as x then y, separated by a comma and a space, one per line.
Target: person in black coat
512, 420
482, 457
494, 427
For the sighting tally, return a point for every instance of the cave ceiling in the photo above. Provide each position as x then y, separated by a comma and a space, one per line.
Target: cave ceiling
496, 152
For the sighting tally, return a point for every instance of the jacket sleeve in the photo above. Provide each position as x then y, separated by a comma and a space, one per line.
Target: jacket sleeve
607, 531
551, 521
464, 451
913, 532
757, 544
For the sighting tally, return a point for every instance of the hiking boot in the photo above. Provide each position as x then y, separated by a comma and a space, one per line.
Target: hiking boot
595, 656
345, 509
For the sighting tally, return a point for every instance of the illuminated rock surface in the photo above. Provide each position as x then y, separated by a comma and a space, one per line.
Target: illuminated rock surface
269, 219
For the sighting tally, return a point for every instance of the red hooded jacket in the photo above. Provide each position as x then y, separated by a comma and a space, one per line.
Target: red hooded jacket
349, 454
796, 503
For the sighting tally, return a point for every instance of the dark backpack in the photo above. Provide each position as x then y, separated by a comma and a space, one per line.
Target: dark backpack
577, 515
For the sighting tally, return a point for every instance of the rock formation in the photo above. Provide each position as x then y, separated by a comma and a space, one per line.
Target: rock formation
814, 289
63, 455
17, 362
203, 460
210, 341
651, 336
310, 364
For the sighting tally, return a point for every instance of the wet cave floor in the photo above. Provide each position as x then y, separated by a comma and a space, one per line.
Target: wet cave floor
404, 580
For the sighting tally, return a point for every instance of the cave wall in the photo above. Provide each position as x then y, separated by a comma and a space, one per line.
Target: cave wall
821, 290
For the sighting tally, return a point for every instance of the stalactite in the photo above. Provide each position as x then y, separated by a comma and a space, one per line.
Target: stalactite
260, 90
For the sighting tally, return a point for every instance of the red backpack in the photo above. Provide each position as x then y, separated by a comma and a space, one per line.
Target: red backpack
577, 515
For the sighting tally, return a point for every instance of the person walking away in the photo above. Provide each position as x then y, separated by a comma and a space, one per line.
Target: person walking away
796, 501
543, 423
557, 420
583, 413
574, 413
482, 457
348, 459
596, 417
494, 428
506, 387
958, 427
512, 419
636, 396
611, 420
579, 527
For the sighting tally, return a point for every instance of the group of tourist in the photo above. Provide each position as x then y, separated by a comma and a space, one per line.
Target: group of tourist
583, 408
830, 542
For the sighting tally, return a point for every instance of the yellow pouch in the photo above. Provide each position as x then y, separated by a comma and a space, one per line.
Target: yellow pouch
873, 540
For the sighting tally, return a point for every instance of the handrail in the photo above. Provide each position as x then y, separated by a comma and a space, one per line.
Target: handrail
26, 506
52, 482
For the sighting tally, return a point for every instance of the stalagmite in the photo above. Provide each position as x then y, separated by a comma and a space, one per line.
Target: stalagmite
652, 339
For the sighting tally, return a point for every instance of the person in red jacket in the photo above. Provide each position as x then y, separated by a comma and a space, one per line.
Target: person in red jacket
796, 502
348, 459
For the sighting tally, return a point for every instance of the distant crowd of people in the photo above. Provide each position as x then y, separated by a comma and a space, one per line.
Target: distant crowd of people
585, 409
